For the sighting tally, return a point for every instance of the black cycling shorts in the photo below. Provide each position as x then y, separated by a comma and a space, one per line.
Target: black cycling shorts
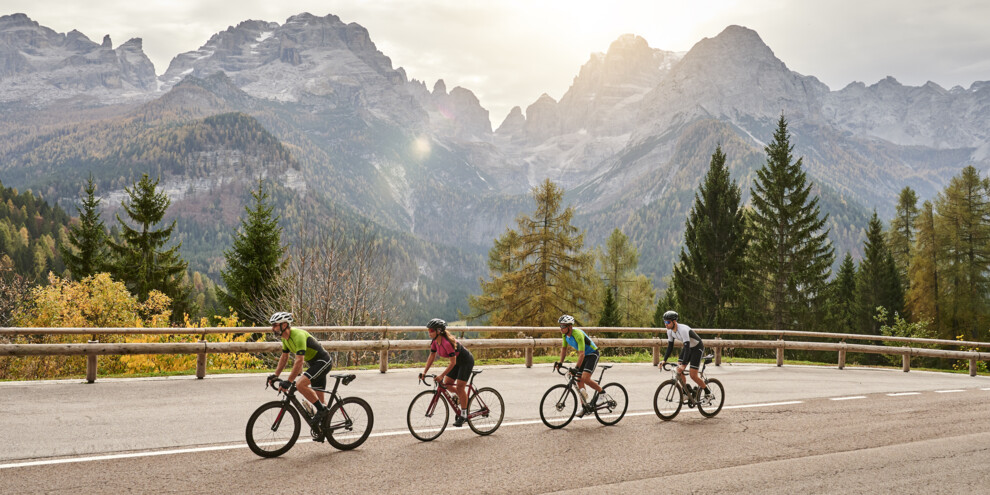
692, 355
462, 369
589, 363
317, 372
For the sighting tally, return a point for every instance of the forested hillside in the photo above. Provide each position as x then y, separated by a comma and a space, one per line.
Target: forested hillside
30, 232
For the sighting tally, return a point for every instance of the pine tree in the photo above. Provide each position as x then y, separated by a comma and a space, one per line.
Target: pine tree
610, 312
667, 302
963, 230
86, 251
877, 284
538, 272
708, 274
790, 253
901, 235
633, 293
255, 261
924, 296
843, 308
140, 258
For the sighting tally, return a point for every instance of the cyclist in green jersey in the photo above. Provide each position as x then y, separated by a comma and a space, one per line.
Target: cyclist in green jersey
586, 361
305, 348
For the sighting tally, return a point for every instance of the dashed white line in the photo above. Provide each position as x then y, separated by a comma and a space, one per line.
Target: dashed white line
898, 394
988, 388
849, 398
949, 391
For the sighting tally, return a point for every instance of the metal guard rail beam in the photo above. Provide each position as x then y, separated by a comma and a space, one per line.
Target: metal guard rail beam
383, 346
384, 330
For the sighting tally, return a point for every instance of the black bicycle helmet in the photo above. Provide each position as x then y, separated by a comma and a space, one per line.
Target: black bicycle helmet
670, 316
437, 324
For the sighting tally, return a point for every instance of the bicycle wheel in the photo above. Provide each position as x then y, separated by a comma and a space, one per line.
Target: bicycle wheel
428, 415
616, 401
486, 398
667, 400
710, 405
273, 429
349, 423
558, 406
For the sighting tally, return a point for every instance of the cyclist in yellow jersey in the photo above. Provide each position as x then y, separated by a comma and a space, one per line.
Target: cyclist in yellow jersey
305, 348
586, 361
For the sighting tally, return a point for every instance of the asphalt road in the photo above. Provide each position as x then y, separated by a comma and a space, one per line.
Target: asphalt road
782, 430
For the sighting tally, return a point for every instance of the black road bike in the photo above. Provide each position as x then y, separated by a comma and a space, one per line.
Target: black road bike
671, 395
559, 405
274, 427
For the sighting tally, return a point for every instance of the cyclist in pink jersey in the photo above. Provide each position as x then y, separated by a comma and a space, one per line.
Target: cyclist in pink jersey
458, 372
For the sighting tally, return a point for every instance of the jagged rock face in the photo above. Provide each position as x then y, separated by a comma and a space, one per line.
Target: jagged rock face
457, 115
928, 116
39, 66
306, 57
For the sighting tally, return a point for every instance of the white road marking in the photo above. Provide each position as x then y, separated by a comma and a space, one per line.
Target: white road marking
849, 398
949, 391
904, 393
985, 388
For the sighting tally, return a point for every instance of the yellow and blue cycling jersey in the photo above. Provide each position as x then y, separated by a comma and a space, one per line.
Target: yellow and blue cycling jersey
580, 341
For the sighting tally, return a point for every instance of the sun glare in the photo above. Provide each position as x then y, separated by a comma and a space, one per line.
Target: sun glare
421, 147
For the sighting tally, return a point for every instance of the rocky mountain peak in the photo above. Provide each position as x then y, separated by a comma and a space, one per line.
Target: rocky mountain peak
106, 42
439, 89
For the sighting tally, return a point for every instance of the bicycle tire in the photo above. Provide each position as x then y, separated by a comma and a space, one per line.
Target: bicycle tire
427, 427
357, 419
272, 430
709, 406
561, 407
490, 398
618, 402
667, 400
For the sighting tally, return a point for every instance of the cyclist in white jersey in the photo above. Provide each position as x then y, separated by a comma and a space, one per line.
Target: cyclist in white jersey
691, 354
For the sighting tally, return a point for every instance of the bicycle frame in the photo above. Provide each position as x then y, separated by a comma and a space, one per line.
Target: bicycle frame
290, 398
441, 391
572, 384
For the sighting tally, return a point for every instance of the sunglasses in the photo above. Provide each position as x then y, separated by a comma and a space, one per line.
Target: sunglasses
667, 322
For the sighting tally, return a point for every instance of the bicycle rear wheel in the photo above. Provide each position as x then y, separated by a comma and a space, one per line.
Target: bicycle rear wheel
710, 405
667, 400
349, 423
427, 416
616, 401
558, 406
273, 429
486, 398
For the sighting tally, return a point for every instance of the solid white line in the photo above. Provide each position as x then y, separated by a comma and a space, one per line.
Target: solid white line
904, 393
767, 404
985, 389
949, 391
849, 398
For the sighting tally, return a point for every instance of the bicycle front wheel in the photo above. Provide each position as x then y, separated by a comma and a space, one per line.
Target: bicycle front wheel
667, 401
273, 429
612, 404
710, 405
349, 423
486, 399
427, 416
558, 406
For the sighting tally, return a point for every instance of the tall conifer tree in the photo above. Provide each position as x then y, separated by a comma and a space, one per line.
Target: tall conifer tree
540, 271
900, 238
790, 252
877, 284
924, 296
843, 308
85, 253
610, 312
708, 275
255, 261
141, 259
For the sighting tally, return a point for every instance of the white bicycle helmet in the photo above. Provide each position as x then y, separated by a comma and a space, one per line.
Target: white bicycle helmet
280, 317
566, 320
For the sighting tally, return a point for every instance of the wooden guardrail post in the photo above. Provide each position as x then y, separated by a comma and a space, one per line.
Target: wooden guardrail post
718, 351
906, 359
842, 359
656, 355
529, 353
91, 364
383, 360
201, 362
972, 367
780, 352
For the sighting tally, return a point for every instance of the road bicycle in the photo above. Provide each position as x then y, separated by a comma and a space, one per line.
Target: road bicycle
429, 411
559, 405
671, 395
274, 427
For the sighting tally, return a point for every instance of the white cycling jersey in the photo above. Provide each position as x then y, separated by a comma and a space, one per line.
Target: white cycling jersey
684, 334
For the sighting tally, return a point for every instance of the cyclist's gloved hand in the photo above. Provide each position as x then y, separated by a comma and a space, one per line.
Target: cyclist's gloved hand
556, 365
575, 371
272, 378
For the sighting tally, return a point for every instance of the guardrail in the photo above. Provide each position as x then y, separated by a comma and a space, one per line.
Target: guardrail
94, 348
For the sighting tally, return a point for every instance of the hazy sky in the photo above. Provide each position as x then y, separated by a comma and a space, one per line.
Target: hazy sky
508, 52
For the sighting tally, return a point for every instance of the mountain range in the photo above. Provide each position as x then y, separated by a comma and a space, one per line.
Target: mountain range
313, 105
